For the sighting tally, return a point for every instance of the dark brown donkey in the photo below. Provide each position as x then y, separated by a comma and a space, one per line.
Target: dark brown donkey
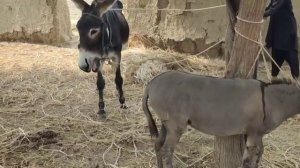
102, 34
216, 106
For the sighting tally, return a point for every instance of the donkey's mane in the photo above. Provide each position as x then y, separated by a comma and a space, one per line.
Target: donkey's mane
280, 81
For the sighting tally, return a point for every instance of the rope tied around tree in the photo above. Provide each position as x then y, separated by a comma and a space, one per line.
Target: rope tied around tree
262, 51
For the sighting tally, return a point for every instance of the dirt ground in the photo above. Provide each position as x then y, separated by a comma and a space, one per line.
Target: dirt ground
48, 112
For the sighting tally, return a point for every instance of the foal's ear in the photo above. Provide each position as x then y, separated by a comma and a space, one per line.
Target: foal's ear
81, 4
104, 5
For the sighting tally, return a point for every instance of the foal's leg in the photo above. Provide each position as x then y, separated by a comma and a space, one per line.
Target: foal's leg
101, 86
118, 79
253, 151
158, 144
261, 151
173, 135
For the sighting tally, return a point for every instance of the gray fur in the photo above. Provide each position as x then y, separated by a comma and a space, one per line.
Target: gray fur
219, 107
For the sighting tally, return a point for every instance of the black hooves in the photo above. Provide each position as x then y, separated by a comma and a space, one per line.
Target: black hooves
102, 114
124, 106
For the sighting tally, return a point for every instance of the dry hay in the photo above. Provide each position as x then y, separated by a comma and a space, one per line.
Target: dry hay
48, 113
142, 65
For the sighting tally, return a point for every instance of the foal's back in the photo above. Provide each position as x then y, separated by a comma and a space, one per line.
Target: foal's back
215, 106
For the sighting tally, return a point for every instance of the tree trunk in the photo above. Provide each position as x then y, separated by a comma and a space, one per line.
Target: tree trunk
245, 51
228, 150
232, 11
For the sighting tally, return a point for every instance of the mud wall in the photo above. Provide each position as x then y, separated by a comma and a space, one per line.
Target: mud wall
187, 32
40, 21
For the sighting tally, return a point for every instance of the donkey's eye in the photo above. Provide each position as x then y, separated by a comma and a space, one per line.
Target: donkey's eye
93, 32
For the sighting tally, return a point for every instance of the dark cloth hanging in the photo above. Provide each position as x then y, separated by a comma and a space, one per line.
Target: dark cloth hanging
290, 56
282, 31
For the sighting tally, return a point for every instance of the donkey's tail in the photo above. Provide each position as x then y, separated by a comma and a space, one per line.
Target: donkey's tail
151, 122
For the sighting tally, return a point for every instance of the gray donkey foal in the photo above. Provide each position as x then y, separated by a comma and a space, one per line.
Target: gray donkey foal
219, 107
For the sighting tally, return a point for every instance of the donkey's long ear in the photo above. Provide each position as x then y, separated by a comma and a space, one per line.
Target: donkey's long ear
81, 4
104, 5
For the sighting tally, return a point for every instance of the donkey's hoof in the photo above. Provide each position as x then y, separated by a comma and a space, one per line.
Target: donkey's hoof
247, 164
102, 114
124, 106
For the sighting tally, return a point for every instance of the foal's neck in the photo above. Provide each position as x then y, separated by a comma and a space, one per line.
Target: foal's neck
282, 101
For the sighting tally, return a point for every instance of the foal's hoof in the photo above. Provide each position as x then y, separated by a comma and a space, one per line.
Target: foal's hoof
102, 114
124, 106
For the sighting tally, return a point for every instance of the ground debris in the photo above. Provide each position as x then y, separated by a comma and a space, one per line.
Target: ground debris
35, 140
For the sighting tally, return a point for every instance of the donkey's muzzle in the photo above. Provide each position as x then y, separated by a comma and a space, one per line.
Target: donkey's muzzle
85, 67
86, 60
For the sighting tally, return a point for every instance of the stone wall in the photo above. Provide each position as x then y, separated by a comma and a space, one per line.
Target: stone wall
39, 21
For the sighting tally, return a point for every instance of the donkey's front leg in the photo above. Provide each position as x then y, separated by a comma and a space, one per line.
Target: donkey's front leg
101, 86
253, 151
119, 80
